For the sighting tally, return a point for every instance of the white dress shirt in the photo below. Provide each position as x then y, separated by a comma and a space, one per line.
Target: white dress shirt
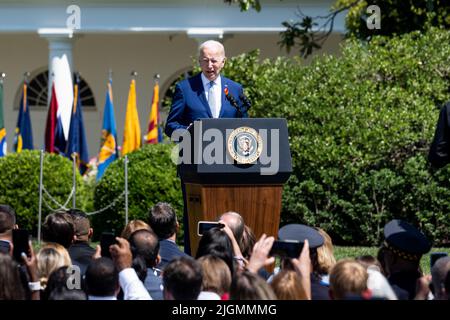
133, 288
217, 89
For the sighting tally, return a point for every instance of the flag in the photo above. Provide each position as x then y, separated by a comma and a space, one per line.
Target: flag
54, 133
60, 108
23, 138
108, 150
132, 129
77, 144
2, 124
154, 133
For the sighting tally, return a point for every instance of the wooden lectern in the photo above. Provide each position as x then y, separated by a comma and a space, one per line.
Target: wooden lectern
235, 165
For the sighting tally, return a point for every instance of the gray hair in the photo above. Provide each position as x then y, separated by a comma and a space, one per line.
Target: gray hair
211, 43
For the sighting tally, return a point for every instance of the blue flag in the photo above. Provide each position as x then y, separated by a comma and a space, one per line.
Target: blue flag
23, 138
77, 143
108, 150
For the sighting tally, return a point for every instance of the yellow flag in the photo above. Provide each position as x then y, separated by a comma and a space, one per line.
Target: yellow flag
132, 129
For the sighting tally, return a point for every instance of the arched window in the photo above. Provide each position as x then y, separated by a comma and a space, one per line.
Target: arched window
38, 92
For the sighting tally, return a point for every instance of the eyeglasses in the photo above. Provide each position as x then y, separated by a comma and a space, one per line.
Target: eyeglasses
213, 61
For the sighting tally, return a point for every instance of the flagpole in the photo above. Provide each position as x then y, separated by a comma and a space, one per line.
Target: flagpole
74, 180
41, 171
126, 189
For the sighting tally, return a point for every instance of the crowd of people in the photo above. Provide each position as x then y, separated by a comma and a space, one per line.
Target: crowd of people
145, 263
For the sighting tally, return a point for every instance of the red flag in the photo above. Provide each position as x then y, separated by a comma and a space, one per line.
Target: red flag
50, 127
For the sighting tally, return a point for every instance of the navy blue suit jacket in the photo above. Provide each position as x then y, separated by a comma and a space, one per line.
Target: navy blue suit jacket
168, 250
189, 103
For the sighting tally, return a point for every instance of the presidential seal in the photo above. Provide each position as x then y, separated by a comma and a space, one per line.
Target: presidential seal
244, 145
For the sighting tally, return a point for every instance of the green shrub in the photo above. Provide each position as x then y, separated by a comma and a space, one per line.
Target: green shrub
151, 179
359, 129
19, 173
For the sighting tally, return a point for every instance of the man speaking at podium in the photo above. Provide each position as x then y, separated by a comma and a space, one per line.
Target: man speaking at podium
205, 95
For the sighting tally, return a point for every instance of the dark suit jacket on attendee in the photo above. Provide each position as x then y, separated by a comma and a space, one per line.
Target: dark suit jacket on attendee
81, 255
168, 250
189, 103
153, 284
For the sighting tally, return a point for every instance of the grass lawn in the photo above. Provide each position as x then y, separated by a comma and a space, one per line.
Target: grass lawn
353, 252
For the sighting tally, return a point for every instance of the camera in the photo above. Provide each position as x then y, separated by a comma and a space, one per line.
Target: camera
286, 249
204, 226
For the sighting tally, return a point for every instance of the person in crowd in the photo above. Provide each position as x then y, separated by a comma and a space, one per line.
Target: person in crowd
325, 258
377, 282
438, 274
80, 251
58, 227
300, 232
144, 244
205, 95
7, 222
247, 243
287, 286
50, 257
9, 279
400, 256
216, 278
182, 279
132, 287
216, 242
163, 221
236, 223
133, 226
102, 280
59, 286
250, 286
348, 280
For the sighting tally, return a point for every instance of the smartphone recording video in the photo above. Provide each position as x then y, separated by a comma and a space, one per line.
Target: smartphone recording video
286, 249
434, 256
20, 242
204, 226
107, 239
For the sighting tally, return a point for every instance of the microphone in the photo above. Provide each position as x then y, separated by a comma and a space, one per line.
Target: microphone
232, 100
246, 101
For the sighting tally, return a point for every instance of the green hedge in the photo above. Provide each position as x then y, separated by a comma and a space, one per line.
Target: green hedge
19, 174
151, 178
360, 126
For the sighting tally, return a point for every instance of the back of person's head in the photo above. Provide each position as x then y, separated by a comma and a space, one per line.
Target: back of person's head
247, 242
57, 286
81, 223
217, 243
249, 286
286, 285
438, 274
133, 226
10, 282
216, 275
7, 220
347, 278
235, 222
145, 243
447, 285
67, 294
102, 278
182, 279
58, 227
51, 257
163, 220
325, 255
369, 262
379, 285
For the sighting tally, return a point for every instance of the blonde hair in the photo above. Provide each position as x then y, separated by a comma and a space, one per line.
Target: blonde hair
348, 277
216, 274
286, 285
325, 255
51, 257
132, 226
